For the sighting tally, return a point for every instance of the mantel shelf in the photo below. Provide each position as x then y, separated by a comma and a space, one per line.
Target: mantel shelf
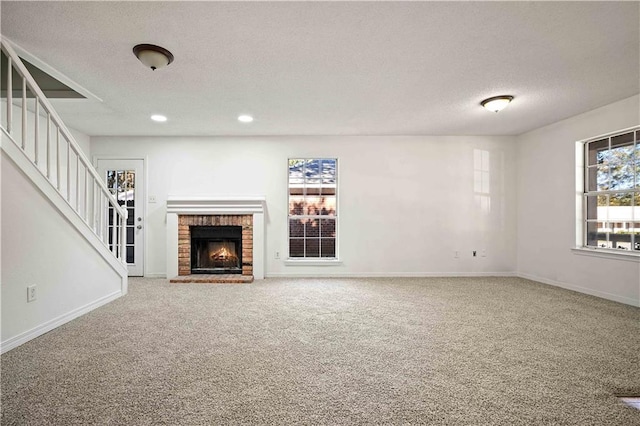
216, 205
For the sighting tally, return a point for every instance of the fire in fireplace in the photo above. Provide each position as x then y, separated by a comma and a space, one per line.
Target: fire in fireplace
216, 249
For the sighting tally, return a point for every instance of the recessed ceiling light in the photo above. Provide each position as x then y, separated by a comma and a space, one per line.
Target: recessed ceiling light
245, 118
159, 118
497, 103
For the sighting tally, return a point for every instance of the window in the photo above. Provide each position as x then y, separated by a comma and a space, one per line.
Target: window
611, 196
312, 208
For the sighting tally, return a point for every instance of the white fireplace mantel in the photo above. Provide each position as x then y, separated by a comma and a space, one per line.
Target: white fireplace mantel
254, 206
215, 205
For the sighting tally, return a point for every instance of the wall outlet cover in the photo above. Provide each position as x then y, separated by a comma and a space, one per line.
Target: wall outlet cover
31, 293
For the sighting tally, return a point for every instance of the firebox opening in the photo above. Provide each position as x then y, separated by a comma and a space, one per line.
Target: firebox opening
216, 250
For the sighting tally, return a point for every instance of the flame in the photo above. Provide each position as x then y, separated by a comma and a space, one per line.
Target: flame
222, 254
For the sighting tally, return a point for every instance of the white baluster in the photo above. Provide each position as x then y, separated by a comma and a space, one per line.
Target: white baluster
36, 130
77, 182
9, 95
113, 230
123, 238
68, 170
86, 194
96, 229
58, 158
49, 146
100, 217
24, 113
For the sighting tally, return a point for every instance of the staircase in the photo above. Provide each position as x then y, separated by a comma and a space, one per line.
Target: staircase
48, 171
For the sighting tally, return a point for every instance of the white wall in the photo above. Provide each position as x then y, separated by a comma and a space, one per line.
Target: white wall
40, 247
84, 141
547, 211
406, 203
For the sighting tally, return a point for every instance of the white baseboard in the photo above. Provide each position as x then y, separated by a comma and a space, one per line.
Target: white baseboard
24, 337
589, 291
155, 275
389, 274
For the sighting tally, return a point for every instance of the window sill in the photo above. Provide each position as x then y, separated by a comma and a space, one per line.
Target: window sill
607, 254
312, 262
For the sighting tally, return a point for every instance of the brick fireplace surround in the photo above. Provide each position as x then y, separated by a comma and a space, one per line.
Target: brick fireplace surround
185, 222
184, 212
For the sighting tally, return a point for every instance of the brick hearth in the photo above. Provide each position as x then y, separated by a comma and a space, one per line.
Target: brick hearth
213, 279
184, 238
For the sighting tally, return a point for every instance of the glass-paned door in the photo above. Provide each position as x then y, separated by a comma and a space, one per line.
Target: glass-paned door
124, 180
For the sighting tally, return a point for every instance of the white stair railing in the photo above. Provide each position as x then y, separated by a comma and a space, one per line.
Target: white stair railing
49, 145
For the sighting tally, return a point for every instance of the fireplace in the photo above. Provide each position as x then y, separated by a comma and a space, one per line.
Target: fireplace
187, 214
215, 244
216, 249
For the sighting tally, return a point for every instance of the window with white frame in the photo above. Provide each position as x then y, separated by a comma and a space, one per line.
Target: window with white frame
611, 197
313, 208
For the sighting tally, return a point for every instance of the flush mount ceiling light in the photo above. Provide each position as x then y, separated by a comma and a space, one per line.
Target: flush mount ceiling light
153, 56
159, 118
245, 118
497, 103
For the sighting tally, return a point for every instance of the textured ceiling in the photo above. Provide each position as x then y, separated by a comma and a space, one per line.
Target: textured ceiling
333, 68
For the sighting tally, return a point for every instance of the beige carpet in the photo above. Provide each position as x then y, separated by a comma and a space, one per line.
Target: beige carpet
459, 351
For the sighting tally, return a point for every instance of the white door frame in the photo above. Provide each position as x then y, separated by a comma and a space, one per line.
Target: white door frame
145, 174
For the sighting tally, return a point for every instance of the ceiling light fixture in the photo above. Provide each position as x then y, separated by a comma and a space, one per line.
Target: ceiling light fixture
153, 56
245, 118
497, 103
159, 118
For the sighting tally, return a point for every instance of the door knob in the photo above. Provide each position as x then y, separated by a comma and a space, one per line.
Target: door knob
139, 226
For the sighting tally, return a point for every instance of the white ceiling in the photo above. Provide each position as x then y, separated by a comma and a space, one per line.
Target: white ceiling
333, 68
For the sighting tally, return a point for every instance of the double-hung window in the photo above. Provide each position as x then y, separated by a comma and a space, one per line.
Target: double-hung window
611, 196
313, 209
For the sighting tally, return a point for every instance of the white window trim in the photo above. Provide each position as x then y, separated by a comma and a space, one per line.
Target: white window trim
581, 209
316, 261
320, 261
607, 253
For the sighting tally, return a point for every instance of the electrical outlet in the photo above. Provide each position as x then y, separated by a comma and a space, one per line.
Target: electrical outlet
456, 254
31, 293
152, 198
475, 253
276, 254
483, 253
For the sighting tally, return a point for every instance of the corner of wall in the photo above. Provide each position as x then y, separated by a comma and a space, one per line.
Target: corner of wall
546, 209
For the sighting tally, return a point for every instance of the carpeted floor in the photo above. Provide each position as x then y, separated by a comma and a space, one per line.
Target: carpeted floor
459, 351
